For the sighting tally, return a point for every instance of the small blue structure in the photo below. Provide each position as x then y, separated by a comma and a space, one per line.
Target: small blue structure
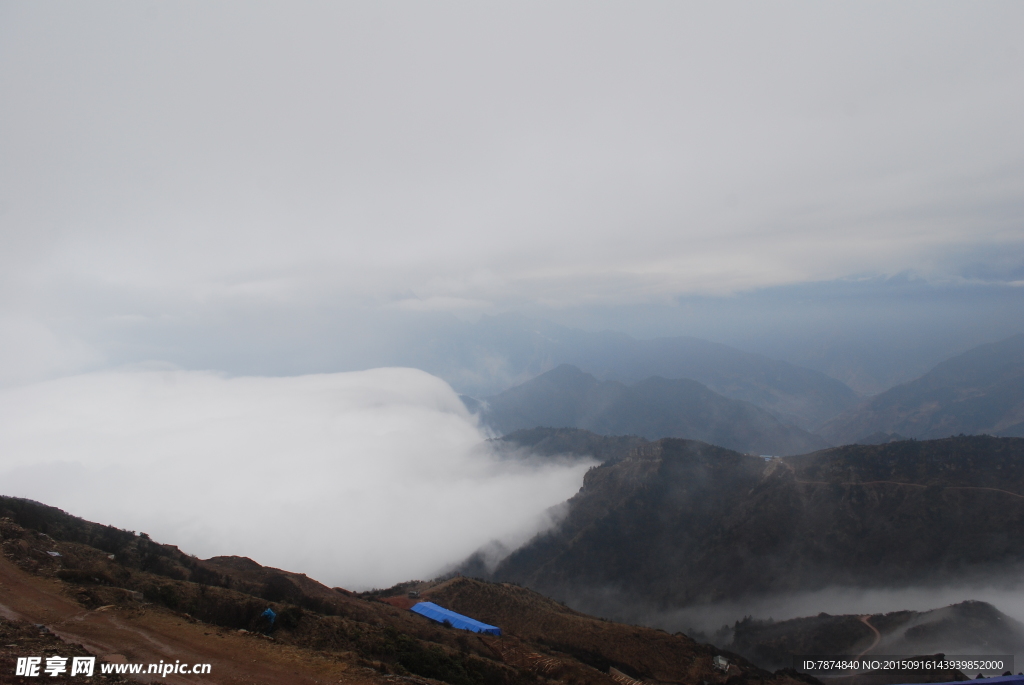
269, 615
440, 614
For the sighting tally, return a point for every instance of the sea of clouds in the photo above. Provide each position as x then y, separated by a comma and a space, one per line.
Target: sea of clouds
358, 479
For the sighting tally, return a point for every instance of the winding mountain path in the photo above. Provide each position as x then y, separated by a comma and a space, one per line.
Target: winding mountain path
866, 620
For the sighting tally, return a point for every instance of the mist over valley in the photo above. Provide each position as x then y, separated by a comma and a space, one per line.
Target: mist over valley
762, 555
511, 343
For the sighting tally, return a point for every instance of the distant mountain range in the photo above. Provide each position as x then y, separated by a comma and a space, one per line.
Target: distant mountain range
683, 523
653, 408
499, 352
979, 391
791, 393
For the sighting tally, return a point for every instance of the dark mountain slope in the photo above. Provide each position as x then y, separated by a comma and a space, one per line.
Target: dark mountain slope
965, 628
680, 523
570, 442
653, 408
643, 653
979, 391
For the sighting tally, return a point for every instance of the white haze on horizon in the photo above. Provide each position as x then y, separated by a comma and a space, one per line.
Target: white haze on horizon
359, 479
1004, 596
1003, 592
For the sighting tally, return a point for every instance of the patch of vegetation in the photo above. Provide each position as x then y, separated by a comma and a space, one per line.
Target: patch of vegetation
61, 525
431, 661
594, 659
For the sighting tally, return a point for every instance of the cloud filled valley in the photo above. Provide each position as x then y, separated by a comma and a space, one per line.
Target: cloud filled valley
358, 479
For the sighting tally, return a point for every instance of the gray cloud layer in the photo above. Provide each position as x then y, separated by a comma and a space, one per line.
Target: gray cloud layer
162, 163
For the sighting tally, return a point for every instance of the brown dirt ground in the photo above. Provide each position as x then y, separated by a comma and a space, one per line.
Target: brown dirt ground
401, 602
151, 634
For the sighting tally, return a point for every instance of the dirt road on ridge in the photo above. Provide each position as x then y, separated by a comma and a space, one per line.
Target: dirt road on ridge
866, 620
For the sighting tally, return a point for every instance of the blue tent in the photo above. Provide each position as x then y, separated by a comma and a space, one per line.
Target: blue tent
440, 614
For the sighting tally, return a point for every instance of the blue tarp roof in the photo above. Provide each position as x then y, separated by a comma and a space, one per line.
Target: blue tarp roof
440, 614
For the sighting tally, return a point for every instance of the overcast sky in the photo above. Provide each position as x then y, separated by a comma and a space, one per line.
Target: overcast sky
183, 164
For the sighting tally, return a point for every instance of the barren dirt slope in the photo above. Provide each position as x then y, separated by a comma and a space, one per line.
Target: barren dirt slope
132, 600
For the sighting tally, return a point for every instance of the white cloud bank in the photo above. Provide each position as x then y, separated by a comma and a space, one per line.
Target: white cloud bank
508, 154
358, 479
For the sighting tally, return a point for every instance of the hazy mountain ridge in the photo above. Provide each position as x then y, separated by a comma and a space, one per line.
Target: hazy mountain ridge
969, 627
681, 523
498, 352
979, 391
791, 393
653, 408
577, 442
